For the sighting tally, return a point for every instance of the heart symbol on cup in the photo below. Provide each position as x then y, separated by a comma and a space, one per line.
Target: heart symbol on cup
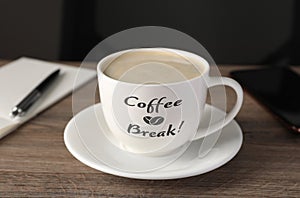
153, 120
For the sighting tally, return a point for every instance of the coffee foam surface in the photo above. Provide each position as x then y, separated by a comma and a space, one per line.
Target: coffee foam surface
151, 67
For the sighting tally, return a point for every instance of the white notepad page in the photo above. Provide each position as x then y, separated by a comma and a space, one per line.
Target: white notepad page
21, 76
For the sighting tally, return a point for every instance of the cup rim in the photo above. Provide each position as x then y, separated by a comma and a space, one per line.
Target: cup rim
181, 52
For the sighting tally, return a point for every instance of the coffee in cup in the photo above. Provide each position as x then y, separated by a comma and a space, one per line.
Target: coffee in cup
152, 67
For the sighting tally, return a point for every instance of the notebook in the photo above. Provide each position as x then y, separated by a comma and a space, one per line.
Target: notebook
21, 76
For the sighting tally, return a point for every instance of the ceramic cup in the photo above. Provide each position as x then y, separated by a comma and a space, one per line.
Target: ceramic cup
156, 119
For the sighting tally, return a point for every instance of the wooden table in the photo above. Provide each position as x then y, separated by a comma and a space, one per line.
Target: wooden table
35, 162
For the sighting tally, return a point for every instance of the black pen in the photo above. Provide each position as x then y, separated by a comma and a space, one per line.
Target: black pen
21, 108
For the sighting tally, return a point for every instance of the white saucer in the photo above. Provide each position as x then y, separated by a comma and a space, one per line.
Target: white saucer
86, 141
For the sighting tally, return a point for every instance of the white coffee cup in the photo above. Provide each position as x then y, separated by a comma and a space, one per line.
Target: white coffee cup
156, 119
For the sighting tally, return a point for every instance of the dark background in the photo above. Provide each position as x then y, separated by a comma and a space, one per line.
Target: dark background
233, 31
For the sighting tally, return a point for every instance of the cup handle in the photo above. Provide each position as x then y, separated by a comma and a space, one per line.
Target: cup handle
215, 81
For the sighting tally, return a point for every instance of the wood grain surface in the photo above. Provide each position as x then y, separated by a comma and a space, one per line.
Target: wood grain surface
34, 162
